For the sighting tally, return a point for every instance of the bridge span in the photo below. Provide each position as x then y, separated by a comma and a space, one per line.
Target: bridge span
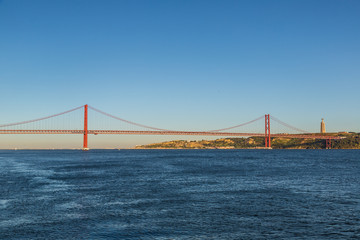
9, 129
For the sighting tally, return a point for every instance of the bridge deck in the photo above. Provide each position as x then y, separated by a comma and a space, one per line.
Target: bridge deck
198, 133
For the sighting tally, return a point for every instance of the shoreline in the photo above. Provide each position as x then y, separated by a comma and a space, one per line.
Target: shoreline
79, 149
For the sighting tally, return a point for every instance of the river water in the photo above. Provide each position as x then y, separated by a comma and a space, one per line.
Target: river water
180, 194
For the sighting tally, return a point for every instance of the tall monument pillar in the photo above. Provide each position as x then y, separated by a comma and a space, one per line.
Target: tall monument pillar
322, 126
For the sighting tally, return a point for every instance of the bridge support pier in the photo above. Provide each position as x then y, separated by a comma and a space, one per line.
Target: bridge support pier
85, 143
267, 131
328, 144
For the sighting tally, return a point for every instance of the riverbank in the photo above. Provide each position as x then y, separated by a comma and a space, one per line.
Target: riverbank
350, 141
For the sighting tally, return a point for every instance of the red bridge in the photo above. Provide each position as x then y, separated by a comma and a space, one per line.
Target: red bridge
22, 128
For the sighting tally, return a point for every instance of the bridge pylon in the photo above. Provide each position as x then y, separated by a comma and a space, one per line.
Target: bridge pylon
85, 143
267, 131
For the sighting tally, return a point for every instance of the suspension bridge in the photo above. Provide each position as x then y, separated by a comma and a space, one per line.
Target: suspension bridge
35, 126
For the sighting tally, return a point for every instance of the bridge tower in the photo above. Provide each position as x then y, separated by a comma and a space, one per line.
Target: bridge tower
85, 143
267, 131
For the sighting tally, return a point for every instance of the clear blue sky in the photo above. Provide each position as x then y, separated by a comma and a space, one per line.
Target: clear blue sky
182, 64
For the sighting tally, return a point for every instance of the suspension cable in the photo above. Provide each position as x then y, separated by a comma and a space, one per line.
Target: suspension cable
123, 120
39, 119
240, 125
287, 125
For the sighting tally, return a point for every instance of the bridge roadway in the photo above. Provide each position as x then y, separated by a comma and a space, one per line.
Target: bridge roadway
224, 134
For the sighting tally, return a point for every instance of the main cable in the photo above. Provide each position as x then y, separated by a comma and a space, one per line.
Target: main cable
287, 125
130, 122
39, 119
240, 125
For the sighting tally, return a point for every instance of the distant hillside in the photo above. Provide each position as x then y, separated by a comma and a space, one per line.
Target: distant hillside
352, 141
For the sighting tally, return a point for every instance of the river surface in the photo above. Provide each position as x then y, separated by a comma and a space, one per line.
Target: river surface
180, 194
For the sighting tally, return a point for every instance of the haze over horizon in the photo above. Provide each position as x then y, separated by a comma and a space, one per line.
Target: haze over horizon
179, 64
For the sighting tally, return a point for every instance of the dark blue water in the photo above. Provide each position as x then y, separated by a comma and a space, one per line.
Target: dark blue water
180, 194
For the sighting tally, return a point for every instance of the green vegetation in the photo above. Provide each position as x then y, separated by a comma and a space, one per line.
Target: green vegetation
351, 141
